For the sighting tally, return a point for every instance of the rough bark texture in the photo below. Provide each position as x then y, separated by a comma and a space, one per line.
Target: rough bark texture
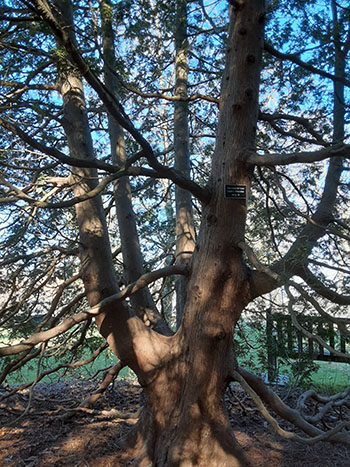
185, 235
142, 301
185, 422
115, 323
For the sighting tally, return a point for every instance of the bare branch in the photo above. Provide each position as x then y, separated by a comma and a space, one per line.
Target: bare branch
321, 289
335, 320
28, 257
307, 66
68, 323
330, 402
160, 171
300, 120
325, 436
305, 157
160, 95
55, 153
108, 378
308, 334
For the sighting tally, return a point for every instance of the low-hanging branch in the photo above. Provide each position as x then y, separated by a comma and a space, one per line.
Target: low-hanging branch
327, 316
59, 367
335, 401
68, 323
108, 378
322, 289
324, 436
293, 416
308, 334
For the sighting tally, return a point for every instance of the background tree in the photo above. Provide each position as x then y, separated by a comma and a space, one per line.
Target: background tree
59, 158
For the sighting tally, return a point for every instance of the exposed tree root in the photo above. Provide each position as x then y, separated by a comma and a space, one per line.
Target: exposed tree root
342, 399
261, 393
108, 378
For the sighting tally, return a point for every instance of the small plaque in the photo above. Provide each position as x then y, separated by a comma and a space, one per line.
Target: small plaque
236, 191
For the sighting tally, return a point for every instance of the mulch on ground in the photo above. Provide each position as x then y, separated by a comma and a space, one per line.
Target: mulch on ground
49, 434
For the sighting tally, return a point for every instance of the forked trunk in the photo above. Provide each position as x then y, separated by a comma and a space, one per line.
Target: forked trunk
185, 422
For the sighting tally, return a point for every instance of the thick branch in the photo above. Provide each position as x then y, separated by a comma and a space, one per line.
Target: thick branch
321, 289
299, 157
324, 436
330, 402
68, 323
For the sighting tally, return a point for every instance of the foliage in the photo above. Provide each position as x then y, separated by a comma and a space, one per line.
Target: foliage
296, 234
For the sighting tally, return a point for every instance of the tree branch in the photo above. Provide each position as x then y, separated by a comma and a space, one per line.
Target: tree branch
108, 378
110, 101
307, 66
161, 172
308, 334
68, 323
263, 116
321, 289
55, 153
305, 157
325, 436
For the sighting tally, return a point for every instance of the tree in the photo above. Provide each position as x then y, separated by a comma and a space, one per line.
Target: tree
184, 375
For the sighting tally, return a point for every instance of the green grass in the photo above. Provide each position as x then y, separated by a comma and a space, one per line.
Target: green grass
29, 371
331, 377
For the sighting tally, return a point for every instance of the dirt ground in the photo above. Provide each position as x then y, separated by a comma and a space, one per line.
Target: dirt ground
48, 434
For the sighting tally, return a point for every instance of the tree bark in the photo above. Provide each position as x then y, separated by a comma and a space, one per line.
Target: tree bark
142, 301
185, 235
126, 334
185, 422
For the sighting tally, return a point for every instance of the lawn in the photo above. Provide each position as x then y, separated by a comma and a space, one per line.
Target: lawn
330, 377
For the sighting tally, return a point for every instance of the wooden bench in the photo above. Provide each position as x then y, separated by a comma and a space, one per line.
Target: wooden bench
283, 339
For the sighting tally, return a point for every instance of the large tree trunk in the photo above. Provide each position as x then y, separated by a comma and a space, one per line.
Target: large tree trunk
116, 323
142, 302
185, 235
185, 422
